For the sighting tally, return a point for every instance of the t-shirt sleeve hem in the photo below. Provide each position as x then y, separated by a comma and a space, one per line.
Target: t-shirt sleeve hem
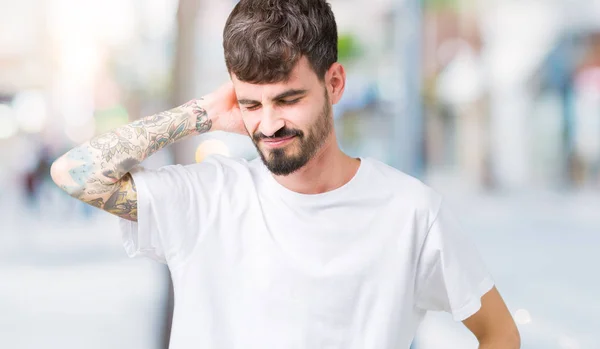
474, 303
129, 231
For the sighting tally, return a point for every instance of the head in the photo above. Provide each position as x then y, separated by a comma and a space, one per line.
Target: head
282, 58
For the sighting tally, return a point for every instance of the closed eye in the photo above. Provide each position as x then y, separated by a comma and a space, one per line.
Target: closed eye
253, 107
290, 102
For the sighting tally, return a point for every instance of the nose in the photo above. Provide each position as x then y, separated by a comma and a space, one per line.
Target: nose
270, 122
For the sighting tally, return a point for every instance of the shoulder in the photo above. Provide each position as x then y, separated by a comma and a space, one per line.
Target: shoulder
220, 164
223, 161
409, 191
214, 169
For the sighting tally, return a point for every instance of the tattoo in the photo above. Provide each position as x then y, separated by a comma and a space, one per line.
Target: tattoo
80, 173
203, 123
123, 202
75, 191
99, 202
111, 144
99, 170
100, 182
176, 132
141, 127
157, 142
99, 191
80, 154
121, 169
118, 204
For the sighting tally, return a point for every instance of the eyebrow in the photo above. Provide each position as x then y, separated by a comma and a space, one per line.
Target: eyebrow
288, 93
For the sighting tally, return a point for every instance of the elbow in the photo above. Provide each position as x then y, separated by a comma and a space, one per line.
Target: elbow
506, 340
59, 172
513, 339
517, 339
55, 171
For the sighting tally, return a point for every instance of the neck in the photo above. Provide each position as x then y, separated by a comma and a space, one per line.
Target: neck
329, 169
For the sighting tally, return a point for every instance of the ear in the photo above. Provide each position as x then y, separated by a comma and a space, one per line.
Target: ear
335, 82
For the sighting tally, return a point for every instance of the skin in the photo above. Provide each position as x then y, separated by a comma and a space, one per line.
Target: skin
97, 172
493, 325
262, 111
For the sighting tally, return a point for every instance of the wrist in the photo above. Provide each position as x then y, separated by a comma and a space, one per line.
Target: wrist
202, 114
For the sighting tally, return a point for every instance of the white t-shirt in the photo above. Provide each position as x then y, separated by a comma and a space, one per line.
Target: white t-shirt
255, 265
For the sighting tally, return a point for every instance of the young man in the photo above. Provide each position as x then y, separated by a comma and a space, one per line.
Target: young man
305, 247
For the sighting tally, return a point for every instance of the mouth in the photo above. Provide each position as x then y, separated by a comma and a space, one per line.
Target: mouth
277, 142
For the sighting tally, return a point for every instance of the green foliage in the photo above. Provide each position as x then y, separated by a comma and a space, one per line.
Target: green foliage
440, 4
348, 47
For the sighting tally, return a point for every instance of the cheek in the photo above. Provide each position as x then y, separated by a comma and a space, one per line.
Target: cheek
251, 121
310, 116
300, 117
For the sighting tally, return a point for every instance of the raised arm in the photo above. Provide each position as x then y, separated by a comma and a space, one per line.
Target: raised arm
97, 172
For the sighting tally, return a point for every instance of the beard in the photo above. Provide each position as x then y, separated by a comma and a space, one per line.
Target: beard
287, 159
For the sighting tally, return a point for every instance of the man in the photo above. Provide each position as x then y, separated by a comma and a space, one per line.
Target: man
306, 247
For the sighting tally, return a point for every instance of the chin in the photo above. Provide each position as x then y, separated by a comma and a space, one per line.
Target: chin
283, 166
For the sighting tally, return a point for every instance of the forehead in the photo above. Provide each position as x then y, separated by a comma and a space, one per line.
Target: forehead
302, 77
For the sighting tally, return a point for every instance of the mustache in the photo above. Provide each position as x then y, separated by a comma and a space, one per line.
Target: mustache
281, 133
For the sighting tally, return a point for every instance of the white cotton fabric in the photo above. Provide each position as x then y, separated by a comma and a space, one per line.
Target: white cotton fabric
255, 265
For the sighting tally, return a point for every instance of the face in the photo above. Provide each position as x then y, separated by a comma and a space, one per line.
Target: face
289, 122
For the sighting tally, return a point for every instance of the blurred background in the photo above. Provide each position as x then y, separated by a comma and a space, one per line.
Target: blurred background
494, 103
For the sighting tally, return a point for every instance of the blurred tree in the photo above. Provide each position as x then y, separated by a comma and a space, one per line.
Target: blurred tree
348, 47
441, 4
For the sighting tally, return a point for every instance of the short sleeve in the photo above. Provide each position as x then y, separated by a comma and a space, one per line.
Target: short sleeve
451, 275
174, 208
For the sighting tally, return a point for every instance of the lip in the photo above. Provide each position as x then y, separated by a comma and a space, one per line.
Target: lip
278, 142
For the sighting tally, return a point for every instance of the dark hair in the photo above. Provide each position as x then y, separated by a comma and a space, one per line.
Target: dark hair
264, 39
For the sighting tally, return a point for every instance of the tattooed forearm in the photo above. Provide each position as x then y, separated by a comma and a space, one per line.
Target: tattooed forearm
97, 171
203, 123
122, 149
